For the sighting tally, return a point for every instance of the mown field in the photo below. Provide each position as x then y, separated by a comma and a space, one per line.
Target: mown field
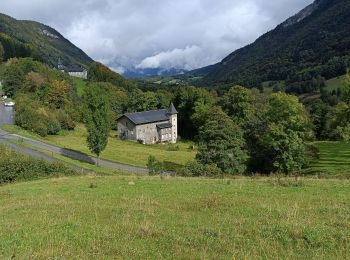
126, 152
334, 159
335, 83
152, 217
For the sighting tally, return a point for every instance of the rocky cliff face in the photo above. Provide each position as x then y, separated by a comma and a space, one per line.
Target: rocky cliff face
306, 12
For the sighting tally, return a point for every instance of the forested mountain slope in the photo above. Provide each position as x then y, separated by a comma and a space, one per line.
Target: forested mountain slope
33, 39
312, 44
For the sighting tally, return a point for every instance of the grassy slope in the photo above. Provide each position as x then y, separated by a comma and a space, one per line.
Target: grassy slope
119, 151
80, 85
174, 218
335, 83
334, 158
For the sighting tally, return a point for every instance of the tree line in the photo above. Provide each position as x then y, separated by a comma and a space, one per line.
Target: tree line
238, 131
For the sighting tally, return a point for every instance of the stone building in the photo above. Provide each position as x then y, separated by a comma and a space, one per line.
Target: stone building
74, 72
78, 72
149, 127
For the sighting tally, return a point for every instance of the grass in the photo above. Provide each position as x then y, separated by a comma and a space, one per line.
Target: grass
80, 85
335, 83
151, 217
334, 159
125, 152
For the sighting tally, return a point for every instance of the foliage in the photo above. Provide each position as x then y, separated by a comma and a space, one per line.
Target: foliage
221, 142
277, 140
238, 103
99, 73
98, 125
15, 167
155, 167
196, 169
189, 102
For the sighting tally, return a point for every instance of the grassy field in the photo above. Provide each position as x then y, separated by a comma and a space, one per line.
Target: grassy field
334, 159
148, 218
80, 85
126, 152
335, 83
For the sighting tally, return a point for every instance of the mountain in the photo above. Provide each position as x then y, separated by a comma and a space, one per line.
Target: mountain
312, 44
33, 39
158, 72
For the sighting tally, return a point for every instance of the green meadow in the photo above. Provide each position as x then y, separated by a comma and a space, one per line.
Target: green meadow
333, 159
151, 217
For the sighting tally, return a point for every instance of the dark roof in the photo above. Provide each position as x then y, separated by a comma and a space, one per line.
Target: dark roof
165, 126
75, 69
172, 110
141, 118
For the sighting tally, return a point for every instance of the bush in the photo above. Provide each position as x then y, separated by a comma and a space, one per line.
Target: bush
155, 167
196, 169
15, 167
65, 120
53, 126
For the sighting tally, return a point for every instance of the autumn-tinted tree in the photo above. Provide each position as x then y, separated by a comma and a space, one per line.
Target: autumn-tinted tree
98, 125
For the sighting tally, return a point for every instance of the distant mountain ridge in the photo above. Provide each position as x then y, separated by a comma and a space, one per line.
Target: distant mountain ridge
33, 39
313, 43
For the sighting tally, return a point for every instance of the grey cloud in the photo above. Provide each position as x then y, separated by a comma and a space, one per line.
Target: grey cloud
183, 34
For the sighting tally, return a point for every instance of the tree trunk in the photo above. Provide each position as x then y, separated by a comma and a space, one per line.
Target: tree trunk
98, 160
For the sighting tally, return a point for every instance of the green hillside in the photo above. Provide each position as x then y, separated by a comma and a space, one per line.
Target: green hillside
298, 51
36, 40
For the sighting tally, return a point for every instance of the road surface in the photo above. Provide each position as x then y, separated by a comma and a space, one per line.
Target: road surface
6, 117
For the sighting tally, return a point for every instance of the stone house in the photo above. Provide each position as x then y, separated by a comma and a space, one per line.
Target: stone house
78, 72
149, 127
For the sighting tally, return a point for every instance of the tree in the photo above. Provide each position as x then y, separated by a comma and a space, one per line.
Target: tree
221, 142
57, 94
98, 125
2, 52
13, 77
186, 100
277, 143
238, 103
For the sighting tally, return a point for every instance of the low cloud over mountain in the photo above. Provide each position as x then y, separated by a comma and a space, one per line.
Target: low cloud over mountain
157, 34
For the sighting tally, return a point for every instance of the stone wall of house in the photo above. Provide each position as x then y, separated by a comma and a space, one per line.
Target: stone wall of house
173, 121
82, 75
126, 129
148, 133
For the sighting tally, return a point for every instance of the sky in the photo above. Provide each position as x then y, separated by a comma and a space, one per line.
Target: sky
143, 34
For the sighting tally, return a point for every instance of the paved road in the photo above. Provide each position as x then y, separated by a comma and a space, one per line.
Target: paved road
6, 118
6, 115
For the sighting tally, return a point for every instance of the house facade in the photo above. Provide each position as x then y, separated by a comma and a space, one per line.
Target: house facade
74, 72
78, 72
149, 127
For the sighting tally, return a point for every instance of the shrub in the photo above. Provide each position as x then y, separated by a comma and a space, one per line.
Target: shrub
40, 128
155, 167
15, 167
53, 126
196, 169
